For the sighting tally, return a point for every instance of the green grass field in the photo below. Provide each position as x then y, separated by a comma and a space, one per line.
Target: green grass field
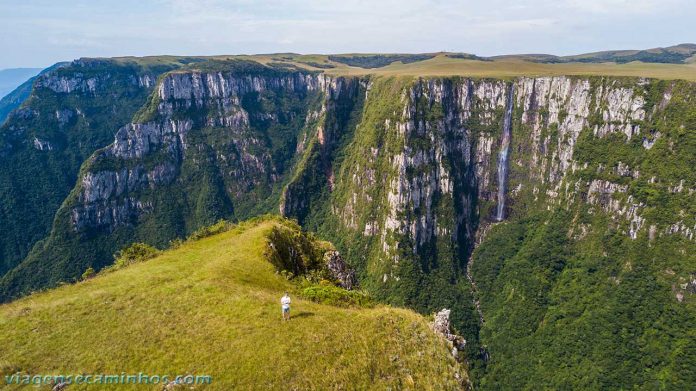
211, 307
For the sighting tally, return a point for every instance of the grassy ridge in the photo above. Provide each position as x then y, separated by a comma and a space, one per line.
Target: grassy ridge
451, 64
446, 64
211, 307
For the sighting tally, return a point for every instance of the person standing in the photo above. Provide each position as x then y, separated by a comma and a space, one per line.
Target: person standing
285, 306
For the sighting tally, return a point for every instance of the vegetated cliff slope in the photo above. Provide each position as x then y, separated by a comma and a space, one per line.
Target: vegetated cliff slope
211, 308
17, 95
602, 272
207, 145
71, 110
402, 174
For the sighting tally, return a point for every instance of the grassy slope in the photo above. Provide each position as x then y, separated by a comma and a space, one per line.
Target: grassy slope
211, 307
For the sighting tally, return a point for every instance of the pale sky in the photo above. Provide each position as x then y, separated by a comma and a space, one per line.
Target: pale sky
38, 33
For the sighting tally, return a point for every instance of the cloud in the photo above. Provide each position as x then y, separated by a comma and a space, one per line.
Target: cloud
36, 32
622, 6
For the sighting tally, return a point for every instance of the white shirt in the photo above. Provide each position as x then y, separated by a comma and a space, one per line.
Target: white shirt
285, 301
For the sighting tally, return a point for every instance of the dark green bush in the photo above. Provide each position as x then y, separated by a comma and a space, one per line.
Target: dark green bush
135, 253
326, 293
217, 228
292, 250
89, 273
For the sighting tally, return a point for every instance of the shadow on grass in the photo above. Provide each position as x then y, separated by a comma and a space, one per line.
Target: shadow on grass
303, 314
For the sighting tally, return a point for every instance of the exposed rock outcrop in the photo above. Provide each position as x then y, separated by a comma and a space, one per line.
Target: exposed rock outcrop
137, 140
602, 193
217, 100
340, 270
690, 286
101, 203
66, 85
441, 326
42, 145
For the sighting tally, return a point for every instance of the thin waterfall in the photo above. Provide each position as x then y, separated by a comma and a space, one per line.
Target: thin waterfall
503, 155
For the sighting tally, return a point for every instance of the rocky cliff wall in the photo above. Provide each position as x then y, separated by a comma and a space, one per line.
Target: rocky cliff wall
206, 146
438, 149
70, 112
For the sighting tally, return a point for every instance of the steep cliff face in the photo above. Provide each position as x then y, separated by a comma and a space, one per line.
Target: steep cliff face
588, 265
313, 176
423, 162
69, 112
439, 143
237, 131
208, 145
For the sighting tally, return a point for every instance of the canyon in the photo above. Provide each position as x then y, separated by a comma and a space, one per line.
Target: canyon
534, 184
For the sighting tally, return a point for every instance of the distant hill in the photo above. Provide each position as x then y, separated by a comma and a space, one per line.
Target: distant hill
15, 98
14, 77
379, 60
18, 95
211, 308
678, 54
15, 87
